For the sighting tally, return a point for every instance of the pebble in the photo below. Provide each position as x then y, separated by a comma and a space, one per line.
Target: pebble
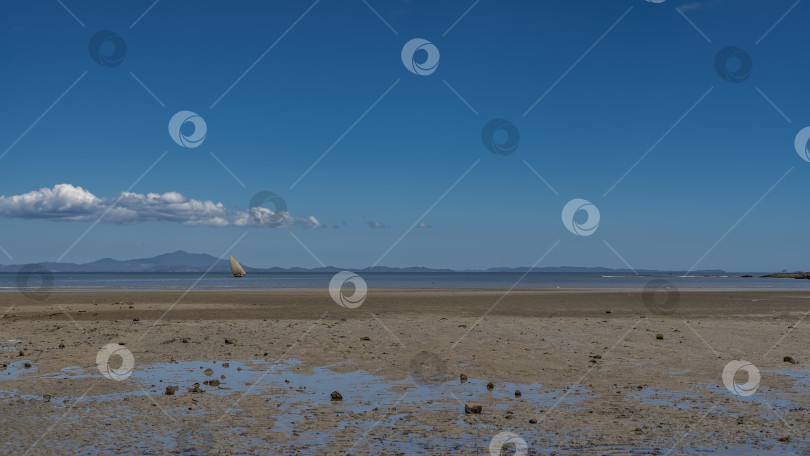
462, 378
170, 390
473, 408
490, 386
336, 396
195, 388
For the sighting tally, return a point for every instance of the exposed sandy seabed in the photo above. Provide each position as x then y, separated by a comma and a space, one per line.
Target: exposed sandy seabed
591, 371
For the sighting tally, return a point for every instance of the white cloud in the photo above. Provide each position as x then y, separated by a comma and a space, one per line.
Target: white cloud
374, 224
64, 202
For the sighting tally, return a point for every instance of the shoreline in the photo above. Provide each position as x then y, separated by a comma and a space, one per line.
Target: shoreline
311, 303
283, 289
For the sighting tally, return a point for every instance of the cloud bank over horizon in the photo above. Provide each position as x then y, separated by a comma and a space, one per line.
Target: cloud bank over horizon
66, 202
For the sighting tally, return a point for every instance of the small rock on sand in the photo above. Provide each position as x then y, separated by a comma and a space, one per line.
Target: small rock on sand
518, 393
490, 386
212, 382
462, 378
170, 390
473, 408
336, 396
195, 388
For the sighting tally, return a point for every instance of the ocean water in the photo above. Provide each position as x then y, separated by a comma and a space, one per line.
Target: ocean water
266, 280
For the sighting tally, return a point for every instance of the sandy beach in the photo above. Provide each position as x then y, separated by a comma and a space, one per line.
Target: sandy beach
599, 372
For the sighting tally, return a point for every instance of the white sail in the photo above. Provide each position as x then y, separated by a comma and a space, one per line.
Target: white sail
236, 268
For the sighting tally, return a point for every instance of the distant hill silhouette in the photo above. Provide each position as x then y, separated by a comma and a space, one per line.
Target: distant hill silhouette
181, 261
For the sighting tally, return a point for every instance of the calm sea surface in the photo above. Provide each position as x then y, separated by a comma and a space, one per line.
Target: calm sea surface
259, 280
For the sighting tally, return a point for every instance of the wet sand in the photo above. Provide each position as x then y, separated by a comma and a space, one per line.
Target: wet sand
592, 372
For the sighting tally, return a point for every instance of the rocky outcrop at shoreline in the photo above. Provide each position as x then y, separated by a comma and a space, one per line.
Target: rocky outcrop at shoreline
789, 275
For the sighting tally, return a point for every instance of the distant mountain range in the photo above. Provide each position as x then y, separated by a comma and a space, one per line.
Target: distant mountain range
181, 261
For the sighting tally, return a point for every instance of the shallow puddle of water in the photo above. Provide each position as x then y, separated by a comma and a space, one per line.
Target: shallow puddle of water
290, 389
361, 391
801, 378
9, 344
675, 399
18, 368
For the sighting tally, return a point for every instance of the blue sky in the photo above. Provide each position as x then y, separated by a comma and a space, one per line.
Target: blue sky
614, 78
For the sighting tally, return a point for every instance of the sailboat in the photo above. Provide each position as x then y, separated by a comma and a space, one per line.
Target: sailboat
236, 268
